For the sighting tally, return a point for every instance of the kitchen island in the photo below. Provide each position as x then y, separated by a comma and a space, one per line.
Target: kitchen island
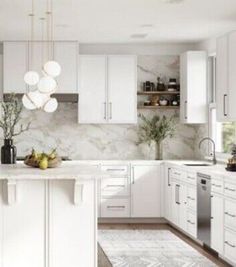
49, 218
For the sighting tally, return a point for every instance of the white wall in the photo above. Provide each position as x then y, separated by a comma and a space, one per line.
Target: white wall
138, 49
209, 45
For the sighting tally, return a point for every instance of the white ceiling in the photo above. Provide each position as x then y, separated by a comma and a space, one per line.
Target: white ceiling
110, 21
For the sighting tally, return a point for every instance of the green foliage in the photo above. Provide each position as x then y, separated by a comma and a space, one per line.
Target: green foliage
10, 117
156, 129
228, 132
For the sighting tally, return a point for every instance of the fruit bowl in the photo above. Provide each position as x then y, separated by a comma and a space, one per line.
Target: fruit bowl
43, 160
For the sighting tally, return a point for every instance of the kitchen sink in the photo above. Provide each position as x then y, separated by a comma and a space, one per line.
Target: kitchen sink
198, 164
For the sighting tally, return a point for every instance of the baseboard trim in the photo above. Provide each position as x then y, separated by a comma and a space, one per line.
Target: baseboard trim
132, 220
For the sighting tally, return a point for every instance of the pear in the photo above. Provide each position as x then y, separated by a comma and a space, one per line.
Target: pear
43, 164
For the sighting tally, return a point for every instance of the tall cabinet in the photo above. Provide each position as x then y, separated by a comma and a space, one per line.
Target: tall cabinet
193, 83
106, 84
226, 77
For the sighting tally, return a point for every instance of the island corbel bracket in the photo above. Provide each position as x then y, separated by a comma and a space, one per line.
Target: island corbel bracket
78, 192
11, 192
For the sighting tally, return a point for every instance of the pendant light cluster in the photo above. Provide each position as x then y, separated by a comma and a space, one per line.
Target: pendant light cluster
46, 85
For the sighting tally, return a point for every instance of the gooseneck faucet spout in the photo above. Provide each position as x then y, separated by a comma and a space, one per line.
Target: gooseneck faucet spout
214, 147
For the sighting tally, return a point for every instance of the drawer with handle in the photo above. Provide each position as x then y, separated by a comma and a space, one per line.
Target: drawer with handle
217, 186
176, 174
230, 190
112, 187
230, 246
230, 214
116, 169
192, 198
115, 208
192, 224
191, 178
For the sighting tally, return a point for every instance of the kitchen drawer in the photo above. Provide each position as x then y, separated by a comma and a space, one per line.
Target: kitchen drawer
112, 187
230, 214
191, 178
192, 224
230, 246
217, 186
116, 169
230, 190
177, 174
192, 198
115, 208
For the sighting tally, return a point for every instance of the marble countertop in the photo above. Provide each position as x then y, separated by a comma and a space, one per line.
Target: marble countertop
66, 171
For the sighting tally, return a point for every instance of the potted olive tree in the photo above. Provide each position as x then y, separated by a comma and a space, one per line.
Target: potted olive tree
10, 123
156, 129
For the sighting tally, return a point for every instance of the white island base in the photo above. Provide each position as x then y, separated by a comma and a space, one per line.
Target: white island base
48, 222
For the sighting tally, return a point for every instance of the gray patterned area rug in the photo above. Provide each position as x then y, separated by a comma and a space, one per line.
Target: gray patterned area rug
149, 248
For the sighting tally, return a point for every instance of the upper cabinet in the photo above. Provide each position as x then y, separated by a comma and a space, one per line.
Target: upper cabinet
108, 83
193, 83
18, 60
226, 77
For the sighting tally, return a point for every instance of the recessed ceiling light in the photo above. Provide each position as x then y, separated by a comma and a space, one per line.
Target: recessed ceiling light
138, 35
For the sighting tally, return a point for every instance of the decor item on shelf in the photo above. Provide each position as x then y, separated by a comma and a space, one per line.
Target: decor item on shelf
43, 160
160, 85
163, 102
155, 100
148, 86
172, 85
147, 103
156, 129
10, 117
231, 165
46, 85
174, 103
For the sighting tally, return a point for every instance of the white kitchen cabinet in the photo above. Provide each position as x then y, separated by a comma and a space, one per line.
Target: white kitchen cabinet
66, 54
22, 232
92, 89
145, 191
193, 83
72, 230
167, 194
217, 223
106, 84
226, 70
15, 65
1, 77
122, 89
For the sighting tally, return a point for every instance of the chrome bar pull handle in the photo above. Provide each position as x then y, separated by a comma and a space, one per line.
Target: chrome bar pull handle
105, 111
110, 111
224, 105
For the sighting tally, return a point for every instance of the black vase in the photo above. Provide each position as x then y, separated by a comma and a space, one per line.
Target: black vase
8, 152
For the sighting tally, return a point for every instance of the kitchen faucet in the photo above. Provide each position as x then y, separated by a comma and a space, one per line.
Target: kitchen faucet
214, 147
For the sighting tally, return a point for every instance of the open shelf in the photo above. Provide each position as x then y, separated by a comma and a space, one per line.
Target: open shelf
159, 93
158, 107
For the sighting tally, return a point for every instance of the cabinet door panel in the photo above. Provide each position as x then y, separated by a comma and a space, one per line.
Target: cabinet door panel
15, 60
146, 191
183, 207
217, 223
167, 194
222, 78
72, 227
23, 232
122, 89
175, 204
92, 89
66, 54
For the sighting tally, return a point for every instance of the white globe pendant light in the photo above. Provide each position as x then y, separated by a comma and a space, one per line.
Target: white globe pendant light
47, 85
52, 68
51, 105
31, 78
32, 100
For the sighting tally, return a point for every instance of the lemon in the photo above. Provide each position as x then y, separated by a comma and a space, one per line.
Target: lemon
43, 164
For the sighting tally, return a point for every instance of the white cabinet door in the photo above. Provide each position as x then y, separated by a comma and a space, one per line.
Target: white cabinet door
175, 203
92, 89
66, 54
15, 60
193, 87
217, 223
145, 191
167, 194
222, 79
122, 89
72, 227
183, 206
22, 232
1, 77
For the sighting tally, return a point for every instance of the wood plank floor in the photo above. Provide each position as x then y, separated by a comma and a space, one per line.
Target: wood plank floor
104, 262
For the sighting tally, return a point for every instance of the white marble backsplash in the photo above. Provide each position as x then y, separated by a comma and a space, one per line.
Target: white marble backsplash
61, 129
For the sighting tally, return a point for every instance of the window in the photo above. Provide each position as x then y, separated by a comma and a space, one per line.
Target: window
224, 134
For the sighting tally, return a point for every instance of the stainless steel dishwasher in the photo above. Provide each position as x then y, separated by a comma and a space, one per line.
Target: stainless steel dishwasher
204, 208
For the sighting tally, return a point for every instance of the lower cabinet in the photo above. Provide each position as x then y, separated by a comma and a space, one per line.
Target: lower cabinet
146, 191
217, 223
230, 245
